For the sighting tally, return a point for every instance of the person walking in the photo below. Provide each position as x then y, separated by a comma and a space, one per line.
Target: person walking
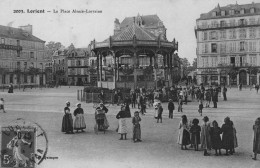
136, 127
256, 139
2, 105
200, 107
133, 99
195, 134
180, 102
215, 98
228, 136
208, 98
205, 136
121, 116
235, 145
67, 121
224, 93
79, 123
171, 107
256, 88
184, 135
160, 111
215, 138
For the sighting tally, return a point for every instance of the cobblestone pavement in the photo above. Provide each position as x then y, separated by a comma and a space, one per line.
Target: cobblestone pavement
158, 149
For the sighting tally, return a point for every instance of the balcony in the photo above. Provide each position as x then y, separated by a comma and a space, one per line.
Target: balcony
227, 25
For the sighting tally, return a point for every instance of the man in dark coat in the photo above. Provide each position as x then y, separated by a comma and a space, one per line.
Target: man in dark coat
215, 98
171, 108
224, 93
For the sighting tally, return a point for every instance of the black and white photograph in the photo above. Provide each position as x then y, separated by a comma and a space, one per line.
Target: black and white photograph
130, 83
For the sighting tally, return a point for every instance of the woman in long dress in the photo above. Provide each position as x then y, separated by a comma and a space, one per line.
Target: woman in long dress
79, 123
228, 136
67, 121
184, 135
121, 116
102, 107
256, 140
136, 127
205, 136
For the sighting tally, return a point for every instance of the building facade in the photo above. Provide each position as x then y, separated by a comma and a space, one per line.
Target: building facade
78, 72
21, 57
228, 40
60, 67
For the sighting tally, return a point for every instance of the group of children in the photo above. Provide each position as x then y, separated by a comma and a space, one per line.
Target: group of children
208, 135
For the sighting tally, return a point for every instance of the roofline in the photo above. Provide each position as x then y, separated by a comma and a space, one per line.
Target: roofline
231, 16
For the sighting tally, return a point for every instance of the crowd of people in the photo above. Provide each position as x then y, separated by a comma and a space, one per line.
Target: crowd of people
205, 136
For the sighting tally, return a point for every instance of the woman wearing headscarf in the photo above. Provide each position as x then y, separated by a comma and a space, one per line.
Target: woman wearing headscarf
67, 121
205, 136
184, 135
256, 140
121, 116
102, 107
79, 123
227, 136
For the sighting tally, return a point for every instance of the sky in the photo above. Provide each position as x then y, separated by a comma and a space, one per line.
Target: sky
178, 16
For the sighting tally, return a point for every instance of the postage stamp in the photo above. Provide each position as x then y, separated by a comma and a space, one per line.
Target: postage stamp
18, 146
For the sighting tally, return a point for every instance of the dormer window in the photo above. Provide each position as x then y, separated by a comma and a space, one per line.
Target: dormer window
242, 11
252, 10
223, 13
232, 12
214, 14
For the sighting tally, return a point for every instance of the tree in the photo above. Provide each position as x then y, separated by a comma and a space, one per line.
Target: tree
194, 63
54, 45
185, 64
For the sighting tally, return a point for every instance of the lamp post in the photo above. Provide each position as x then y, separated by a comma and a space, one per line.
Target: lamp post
41, 80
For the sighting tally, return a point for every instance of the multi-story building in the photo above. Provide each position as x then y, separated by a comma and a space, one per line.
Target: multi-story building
60, 67
77, 64
21, 57
229, 37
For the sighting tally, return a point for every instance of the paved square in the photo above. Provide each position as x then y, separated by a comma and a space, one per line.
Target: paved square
159, 147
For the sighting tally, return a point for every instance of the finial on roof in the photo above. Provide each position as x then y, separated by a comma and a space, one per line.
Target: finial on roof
218, 6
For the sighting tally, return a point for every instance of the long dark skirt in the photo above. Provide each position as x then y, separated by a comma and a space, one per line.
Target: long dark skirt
136, 131
186, 137
67, 123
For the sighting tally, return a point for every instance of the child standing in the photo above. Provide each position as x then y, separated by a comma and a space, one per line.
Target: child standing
2, 107
256, 140
205, 136
180, 102
215, 138
195, 134
136, 127
200, 107
171, 108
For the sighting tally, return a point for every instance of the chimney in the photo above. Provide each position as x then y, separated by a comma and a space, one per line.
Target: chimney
116, 26
27, 28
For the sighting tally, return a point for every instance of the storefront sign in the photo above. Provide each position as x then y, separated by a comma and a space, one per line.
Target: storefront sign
10, 47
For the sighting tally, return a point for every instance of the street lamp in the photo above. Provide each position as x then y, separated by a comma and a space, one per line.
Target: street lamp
41, 81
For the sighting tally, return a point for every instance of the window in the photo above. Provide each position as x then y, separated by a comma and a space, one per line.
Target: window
205, 35
232, 22
223, 13
18, 65
214, 14
31, 54
222, 23
3, 79
223, 60
232, 12
213, 35
205, 62
252, 10
242, 46
25, 65
242, 11
252, 21
32, 78
252, 45
18, 53
144, 60
126, 60
2, 41
222, 48
11, 78
242, 22
242, 33
213, 47
214, 61
232, 34
232, 60
252, 60
252, 33
18, 42
223, 34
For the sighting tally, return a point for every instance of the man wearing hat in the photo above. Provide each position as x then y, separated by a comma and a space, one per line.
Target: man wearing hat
79, 123
171, 108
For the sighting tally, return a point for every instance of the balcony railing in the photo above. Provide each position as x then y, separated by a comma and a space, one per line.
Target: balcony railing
227, 25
